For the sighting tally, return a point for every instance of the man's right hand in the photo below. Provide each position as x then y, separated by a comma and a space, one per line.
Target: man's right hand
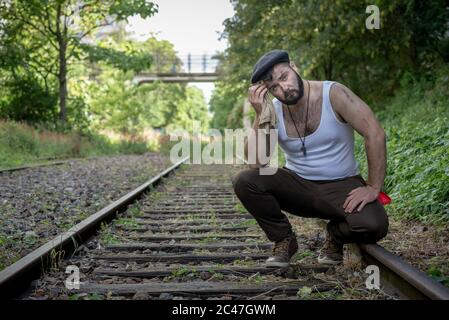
256, 96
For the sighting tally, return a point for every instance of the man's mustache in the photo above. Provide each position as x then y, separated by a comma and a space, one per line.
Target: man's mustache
291, 93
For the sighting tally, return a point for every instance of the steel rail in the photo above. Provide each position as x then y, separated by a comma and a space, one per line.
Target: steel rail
400, 277
33, 166
50, 162
15, 278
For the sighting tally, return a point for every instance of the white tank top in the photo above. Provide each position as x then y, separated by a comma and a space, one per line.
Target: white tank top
330, 148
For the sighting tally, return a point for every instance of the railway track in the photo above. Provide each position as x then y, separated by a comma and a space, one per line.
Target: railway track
187, 239
43, 163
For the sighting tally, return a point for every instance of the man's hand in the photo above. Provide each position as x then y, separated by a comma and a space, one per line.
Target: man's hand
360, 197
256, 96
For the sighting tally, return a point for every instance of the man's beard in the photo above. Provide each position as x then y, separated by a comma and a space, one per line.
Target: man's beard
292, 96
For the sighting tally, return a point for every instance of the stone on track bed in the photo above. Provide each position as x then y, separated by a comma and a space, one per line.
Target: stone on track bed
36, 204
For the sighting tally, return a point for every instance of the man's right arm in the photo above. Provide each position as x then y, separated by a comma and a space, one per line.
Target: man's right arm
256, 96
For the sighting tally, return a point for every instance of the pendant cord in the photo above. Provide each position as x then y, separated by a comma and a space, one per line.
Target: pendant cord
305, 126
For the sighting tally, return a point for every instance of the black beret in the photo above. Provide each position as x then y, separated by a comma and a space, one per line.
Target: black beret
268, 60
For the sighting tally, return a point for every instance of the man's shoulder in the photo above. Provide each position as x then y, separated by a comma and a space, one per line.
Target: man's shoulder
321, 83
337, 87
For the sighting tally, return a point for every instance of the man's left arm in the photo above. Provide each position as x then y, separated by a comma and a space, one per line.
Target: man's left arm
359, 115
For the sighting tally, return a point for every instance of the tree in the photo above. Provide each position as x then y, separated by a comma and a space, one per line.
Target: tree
119, 104
329, 40
62, 26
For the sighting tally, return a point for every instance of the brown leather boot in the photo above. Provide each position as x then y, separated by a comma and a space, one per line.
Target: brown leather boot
282, 252
331, 252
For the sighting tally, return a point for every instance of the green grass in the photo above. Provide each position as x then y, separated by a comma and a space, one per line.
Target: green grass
127, 222
5, 242
246, 223
240, 208
302, 255
437, 274
182, 271
417, 128
245, 263
135, 210
107, 236
21, 144
416, 124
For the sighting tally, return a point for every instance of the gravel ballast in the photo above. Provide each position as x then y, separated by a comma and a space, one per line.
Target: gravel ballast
36, 204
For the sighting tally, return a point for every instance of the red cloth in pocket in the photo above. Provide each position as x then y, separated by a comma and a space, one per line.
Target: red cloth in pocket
384, 198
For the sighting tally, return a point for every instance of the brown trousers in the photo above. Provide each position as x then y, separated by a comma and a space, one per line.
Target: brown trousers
264, 196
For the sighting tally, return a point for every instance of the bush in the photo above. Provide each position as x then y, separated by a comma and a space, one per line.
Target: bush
417, 128
21, 144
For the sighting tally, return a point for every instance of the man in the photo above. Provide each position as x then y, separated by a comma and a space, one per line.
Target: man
315, 122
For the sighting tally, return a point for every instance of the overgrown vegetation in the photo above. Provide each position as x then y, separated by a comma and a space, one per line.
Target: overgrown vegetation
401, 70
22, 144
416, 123
329, 40
69, 66
417, 128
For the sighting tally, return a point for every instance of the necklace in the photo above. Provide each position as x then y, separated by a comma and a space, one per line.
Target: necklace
303, 148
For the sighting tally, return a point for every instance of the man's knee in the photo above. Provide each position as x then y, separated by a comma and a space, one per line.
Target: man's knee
371, 225
377, 227
243, 180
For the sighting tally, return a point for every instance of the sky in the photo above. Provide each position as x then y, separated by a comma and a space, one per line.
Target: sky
193, 26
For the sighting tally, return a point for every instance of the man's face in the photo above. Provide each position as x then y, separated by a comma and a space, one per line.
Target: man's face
285, 84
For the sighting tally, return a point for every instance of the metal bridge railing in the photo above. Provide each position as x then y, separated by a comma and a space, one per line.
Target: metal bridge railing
190, 63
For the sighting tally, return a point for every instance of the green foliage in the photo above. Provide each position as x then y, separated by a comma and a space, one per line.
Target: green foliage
94, 144
246, 223
223, 101
119, 104
124, 107
415, 122
127, 222
39, 37
25, 99
43, 39
107, 236
401, 72
302, 255
329, 40
126, 8
304, 293
191, 106
121, 60
182, 272
21, 144
438, 275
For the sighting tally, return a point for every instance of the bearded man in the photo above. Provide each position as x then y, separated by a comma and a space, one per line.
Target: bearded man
315, 124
